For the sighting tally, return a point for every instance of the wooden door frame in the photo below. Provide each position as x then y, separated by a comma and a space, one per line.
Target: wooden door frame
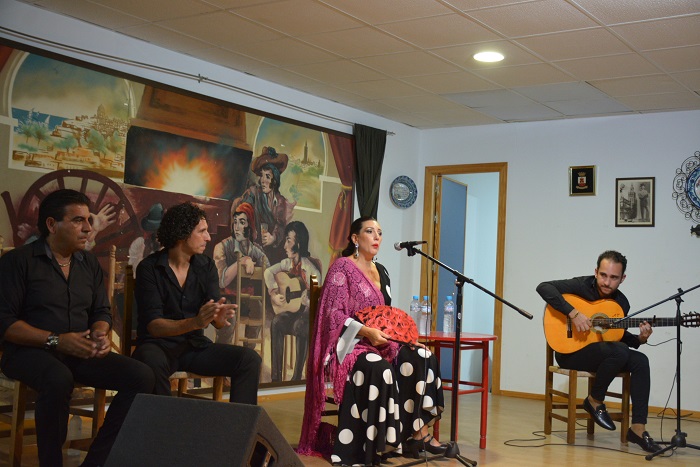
432, 235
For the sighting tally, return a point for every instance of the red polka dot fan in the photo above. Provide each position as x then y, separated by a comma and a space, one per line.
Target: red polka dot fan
390, 320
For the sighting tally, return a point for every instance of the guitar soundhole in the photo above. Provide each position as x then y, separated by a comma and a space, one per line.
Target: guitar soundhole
600, 323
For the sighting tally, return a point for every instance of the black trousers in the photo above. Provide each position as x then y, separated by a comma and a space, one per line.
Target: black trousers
53, 375
241, 364
607, 359
289, 323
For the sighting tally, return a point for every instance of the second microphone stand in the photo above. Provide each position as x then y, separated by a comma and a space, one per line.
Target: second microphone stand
452, 448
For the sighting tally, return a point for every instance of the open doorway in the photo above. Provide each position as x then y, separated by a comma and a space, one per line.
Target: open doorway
491, 180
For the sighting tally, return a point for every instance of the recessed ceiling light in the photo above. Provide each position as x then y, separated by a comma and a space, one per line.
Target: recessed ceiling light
488, 57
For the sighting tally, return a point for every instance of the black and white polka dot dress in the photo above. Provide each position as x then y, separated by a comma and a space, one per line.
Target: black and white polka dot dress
380, 401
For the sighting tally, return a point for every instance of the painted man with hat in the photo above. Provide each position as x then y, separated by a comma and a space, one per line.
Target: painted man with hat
239, 247
148, 243
272, 209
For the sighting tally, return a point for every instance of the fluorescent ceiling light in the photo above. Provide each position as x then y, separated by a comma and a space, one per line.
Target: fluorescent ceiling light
488, 57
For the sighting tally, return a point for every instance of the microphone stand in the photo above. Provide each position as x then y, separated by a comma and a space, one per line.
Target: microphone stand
452, 451
678, 441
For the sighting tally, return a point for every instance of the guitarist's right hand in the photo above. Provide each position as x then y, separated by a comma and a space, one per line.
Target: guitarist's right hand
580, 321
277, 298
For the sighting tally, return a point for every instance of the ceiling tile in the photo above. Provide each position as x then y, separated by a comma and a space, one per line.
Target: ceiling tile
165, 38
420, 103
407, 64
611, 66
654, 84
316, 17
691, 79
358, 42
459, 117
286, 78
524, 75
445, 83
338, 72
495, 98
658, 102
523, 113
158, 10
539, 17
676, 59
229, 59
382, 88
463, 55
285, 52
91, 12
626, 11
440, 31
335, 94
588, 107
661, 34
386, 11
221, 28
560, 92
575, 44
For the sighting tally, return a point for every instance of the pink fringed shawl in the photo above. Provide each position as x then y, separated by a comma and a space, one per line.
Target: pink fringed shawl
345, 291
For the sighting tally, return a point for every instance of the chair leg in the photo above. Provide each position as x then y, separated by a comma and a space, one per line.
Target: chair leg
571, 408
98, 410
625, 408
181, 386
218, 388
19, 404
590, 423
548, 385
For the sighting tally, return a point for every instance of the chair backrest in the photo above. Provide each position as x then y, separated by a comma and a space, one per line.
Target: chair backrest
126, 342
314, 295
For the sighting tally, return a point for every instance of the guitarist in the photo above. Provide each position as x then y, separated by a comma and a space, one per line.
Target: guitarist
606, 359
298, 263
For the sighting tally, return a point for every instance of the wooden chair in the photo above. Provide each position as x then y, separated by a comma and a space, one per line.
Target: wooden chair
239, 337
182, 377
314, 296
85, 402
559, 400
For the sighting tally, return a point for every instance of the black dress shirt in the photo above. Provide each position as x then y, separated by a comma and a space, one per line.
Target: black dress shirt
34, 290
159, 295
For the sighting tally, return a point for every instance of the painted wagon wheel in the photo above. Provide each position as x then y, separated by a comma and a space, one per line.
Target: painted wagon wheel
107, 191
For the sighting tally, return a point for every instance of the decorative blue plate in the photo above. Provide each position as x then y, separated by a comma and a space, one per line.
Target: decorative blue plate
403, 192
693, 187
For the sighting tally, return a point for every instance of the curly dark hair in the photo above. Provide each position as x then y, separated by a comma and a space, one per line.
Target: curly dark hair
178, 223
54, 205
614, 257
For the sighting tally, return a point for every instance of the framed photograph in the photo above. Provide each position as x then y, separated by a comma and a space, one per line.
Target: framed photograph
582, 180
634, 202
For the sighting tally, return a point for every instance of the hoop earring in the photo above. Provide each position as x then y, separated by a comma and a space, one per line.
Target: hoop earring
357, 250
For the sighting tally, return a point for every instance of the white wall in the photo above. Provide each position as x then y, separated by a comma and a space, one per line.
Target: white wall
549, 234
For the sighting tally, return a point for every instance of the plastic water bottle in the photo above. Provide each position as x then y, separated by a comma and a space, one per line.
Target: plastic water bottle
448, 317
425, 316
414, 309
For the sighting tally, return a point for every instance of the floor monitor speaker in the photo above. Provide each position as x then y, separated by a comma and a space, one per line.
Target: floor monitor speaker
176, 431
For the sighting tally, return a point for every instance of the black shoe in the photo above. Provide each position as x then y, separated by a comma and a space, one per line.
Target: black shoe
599, 414
645, 441
412, 447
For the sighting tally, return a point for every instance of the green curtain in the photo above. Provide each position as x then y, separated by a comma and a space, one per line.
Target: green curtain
369, 147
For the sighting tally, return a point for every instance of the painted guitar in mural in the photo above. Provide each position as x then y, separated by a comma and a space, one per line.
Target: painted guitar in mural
563, 337
291, 288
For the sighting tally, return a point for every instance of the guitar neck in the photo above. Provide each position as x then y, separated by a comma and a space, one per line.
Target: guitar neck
612, 323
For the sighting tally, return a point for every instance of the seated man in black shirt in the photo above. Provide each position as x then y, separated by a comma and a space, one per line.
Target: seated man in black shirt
178, 296
606, 359
55, 320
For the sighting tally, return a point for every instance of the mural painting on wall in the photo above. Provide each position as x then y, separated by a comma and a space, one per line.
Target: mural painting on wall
277, 195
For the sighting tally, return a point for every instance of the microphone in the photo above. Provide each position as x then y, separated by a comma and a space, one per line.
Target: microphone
400, 246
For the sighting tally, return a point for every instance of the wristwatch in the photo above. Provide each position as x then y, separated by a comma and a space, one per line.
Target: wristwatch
51, 341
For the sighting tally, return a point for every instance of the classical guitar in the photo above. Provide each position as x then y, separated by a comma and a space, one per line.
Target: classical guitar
563, 337
291, 288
